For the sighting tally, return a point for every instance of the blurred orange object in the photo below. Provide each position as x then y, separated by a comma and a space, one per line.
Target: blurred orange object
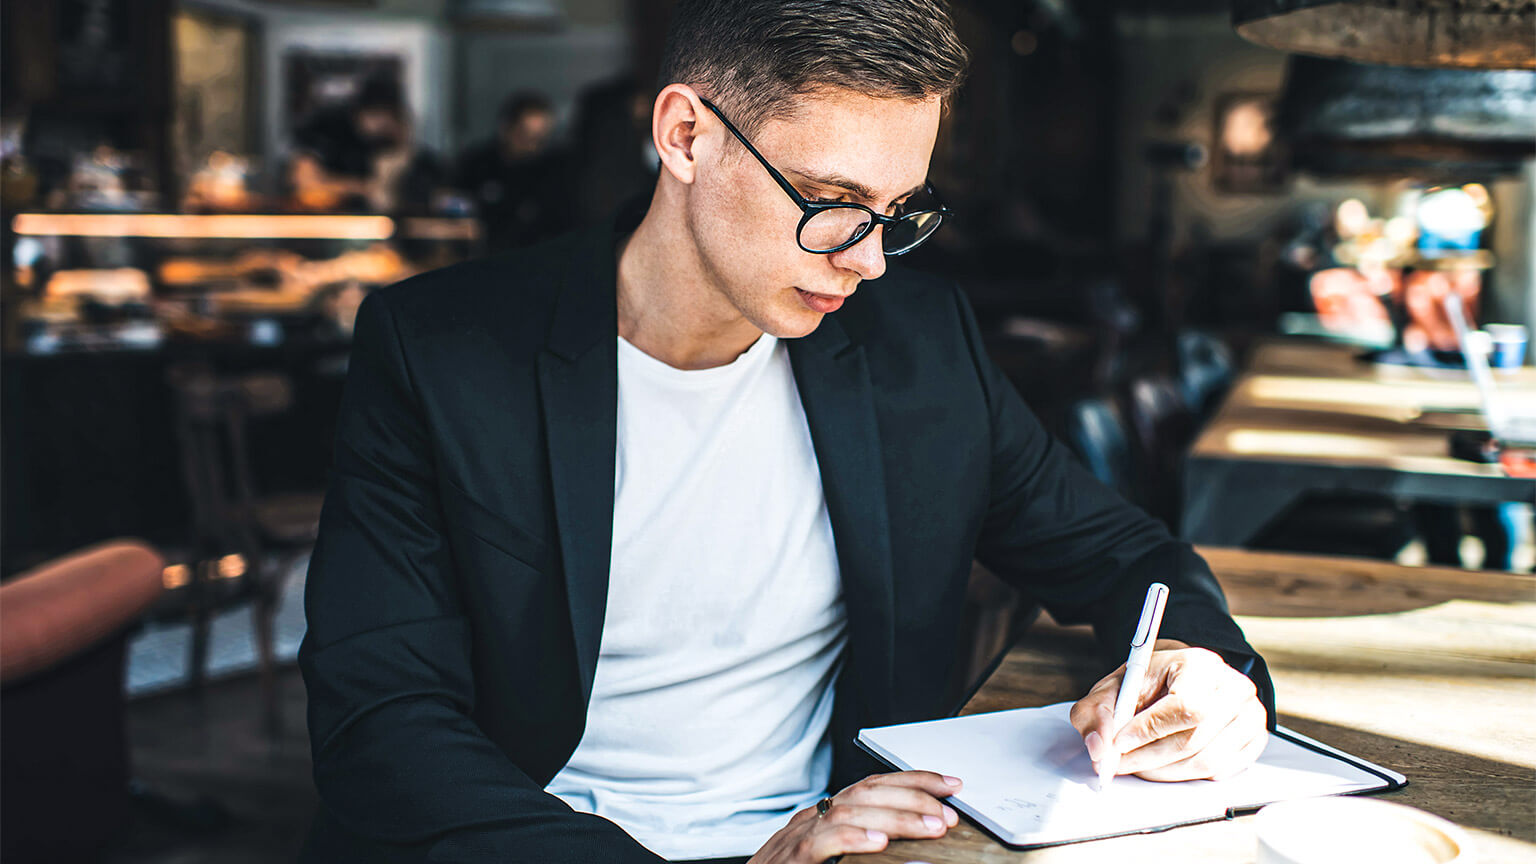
64, 762
220, 184
115, 286
1518, 461
70, 603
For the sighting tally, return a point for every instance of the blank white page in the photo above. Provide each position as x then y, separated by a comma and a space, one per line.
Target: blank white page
1029, 781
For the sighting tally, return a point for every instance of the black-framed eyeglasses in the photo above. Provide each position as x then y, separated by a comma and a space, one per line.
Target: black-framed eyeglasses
827, 227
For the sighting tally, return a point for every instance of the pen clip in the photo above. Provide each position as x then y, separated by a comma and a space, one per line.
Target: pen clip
1151, 614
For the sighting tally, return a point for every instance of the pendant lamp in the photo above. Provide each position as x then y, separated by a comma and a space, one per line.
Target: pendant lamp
1445, 34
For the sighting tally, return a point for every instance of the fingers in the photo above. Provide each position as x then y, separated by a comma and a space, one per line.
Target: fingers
1169, 730
1096, 710
896, 797
865, 817
913, 795
892, 822
1100, 750
935, 784
1198, 689
1094, 716
830, 841
1086, 713
1204, 719
1236, 746
1218, 734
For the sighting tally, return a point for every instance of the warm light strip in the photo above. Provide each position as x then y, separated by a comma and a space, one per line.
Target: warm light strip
211, 226
440, 229
1289, 443
1302, 391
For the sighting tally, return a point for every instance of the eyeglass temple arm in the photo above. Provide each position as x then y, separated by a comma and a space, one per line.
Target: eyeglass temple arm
880, 218
772, 171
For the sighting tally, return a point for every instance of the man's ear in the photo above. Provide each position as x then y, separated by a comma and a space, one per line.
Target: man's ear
674, 130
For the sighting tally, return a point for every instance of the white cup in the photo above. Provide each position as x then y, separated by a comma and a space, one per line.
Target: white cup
1509, 344
1349, 830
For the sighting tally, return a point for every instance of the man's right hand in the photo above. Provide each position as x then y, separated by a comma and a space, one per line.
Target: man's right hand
865, 817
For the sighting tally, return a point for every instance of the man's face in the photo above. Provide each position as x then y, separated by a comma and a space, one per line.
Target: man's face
838, 146
527, 135
380, 125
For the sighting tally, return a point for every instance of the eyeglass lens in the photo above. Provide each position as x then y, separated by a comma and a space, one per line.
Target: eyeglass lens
835, 227
910, 231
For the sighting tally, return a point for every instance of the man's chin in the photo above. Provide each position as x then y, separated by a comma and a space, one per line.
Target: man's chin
796, 326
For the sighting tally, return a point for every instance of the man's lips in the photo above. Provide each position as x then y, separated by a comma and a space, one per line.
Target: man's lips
822, 303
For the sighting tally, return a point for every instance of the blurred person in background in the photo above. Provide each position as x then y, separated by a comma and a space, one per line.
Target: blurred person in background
362, 156
1348, 297
615, 162
519, 183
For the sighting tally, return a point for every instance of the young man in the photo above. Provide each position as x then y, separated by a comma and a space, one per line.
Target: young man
629, 534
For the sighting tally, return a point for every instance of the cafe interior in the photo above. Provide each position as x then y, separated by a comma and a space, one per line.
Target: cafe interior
1264, 267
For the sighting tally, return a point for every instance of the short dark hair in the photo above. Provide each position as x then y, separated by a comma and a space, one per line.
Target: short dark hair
523, 102
381, 94
752, 57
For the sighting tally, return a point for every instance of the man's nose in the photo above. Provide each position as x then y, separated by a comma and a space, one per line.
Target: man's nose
866, 257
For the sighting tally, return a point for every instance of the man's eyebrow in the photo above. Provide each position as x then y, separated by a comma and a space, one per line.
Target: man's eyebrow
854, 186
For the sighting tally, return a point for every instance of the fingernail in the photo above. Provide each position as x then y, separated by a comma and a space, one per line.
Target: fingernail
1095, 743
877, 836
934, 823
953, 781
950, 815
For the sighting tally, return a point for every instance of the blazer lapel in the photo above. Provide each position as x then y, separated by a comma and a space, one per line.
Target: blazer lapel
579, 389
832, 375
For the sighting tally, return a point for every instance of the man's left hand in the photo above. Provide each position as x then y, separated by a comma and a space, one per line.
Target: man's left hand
1196, 718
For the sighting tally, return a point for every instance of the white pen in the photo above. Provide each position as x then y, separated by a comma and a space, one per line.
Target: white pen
1135, 672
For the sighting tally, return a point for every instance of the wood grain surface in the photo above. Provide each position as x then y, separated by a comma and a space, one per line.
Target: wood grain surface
1429, 671
1315, 402
1310, 418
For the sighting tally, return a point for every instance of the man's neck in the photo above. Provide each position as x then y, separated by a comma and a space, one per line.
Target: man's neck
669, 307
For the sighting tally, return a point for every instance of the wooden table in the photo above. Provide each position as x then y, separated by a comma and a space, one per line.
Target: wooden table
1309, 416
1428, 671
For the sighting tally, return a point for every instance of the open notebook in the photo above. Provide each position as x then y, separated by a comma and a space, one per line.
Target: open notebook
1029, 782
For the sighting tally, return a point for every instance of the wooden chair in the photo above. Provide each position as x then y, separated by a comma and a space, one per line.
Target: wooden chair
1095, 431
245, 542
1206, 371
1164, 427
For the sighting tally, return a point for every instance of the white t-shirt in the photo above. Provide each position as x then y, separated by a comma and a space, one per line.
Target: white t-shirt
725, 622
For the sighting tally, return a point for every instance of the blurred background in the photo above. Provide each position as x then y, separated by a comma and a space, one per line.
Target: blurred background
1220, 248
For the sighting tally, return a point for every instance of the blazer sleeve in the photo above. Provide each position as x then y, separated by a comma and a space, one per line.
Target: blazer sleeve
1079, 549
398, 761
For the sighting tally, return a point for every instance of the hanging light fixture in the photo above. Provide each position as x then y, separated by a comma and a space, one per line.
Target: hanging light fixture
1353, 119
1446, 34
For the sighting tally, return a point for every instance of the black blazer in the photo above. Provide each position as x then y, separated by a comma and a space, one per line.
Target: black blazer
457, 593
